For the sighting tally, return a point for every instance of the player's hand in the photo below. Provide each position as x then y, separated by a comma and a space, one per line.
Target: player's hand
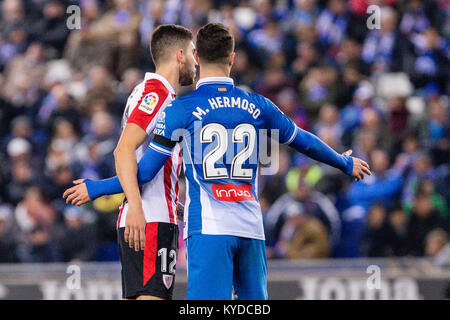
135, 227
360, 167
78, 194
180, 211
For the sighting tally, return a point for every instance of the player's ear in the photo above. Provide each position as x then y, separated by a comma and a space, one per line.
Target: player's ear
231, 59
180, 56
196, 58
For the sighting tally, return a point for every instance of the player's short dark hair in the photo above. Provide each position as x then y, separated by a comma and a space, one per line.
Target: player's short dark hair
215, 43
164, 37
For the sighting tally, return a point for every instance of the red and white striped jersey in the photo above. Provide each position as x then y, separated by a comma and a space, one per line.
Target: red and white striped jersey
144, 106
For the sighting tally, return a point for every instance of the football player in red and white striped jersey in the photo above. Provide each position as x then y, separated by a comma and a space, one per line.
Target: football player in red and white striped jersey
148, 235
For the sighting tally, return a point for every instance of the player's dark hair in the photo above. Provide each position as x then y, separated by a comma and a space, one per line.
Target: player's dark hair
164, 37
214, 43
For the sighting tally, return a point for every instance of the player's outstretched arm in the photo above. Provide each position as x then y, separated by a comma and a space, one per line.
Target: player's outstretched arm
310, 145
88, 190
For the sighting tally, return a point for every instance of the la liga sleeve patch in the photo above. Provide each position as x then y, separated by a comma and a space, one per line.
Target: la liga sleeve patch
149, 103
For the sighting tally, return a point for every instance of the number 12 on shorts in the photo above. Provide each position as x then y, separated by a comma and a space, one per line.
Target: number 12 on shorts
172, 265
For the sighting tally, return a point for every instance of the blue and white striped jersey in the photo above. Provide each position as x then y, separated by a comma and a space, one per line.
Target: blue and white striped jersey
221, 128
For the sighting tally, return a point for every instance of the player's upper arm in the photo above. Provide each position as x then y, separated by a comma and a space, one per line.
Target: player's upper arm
276, 119
148, 105
132, 137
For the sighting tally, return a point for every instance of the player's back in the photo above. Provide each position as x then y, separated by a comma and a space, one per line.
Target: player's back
223, 132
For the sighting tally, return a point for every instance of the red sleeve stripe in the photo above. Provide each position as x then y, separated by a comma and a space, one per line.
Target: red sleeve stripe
142, 118
120, 214
168, 188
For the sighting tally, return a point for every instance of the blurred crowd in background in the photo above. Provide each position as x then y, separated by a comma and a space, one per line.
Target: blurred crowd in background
381, 92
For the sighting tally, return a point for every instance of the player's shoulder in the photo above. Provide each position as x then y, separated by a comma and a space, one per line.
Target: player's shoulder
153, 88
261, 100
242, 92
155, 85
185, 101
249, 95
177, 109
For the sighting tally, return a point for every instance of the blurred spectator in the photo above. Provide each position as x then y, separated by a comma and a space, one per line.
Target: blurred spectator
329, 119
99, 86
51, 28
58, 104
85, 49
130, 79
12, 30
12, 15
77, 238
384, 49
307, 58
384, 236
304, 13
423, 220
435, 132
306, 238
33, 213
398, 117
36, 219
273, 186
382, 186
421, 169
267, 41
317, 88
58, 181
431, 62
39, 247
352, 115
332, 23
22, 177
8, 236
306, 202
398, 220
24, 76
414, 18
364, 143
435, 242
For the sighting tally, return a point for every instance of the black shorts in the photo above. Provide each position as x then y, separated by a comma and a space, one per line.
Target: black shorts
151, 271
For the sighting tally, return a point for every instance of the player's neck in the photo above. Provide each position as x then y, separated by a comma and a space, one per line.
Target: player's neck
207, 71
171, 74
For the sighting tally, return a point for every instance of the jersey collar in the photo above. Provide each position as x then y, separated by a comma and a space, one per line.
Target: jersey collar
151, 75
214, 80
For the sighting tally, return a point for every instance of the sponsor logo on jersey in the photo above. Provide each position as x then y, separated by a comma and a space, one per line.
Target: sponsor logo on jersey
233, 193
149, 103
167, 280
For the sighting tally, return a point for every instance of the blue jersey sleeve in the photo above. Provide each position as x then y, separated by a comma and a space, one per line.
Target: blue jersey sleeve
275, 119
303, 141
172, 121
151, 162
310, 145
